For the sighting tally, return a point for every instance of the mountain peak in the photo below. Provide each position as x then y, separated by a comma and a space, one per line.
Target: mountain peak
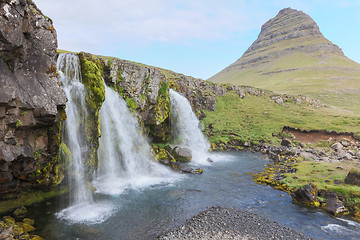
292, 56
289, 24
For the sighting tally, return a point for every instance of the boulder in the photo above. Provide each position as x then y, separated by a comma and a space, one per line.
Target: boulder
333, 205
242, 93
342, 154
182, 154
353, 177
306, 195
337, 146
286, 143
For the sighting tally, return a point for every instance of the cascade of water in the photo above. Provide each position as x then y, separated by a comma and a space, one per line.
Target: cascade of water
186, 126
82, 207
69, 72
125, 159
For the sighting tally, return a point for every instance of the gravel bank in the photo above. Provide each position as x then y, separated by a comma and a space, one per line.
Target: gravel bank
223, 223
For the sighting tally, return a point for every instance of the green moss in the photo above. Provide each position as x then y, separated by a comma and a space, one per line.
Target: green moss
28, 198
91, 70
18, 123
162, 107
131, 103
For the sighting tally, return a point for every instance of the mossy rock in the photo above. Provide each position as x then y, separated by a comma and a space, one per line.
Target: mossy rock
353, 177
20, 211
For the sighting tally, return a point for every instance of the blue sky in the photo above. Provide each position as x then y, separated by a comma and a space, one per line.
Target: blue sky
194, 37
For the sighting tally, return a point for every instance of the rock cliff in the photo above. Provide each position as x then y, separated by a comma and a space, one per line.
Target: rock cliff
31, 101
146, 91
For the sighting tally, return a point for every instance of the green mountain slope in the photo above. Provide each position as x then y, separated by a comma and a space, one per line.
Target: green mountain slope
292, 56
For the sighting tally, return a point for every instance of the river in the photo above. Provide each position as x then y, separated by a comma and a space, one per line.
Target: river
145, 212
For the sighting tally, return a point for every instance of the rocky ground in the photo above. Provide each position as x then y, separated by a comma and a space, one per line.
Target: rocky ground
224, 223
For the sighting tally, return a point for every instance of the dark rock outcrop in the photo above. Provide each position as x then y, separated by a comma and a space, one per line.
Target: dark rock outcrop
353, 177
334, 205
31, 101
306, 195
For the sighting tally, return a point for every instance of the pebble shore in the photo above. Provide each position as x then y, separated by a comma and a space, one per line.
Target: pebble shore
226, 223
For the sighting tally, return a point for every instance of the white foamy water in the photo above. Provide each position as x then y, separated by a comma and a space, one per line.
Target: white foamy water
187, 128
335, 228
82, 206
125, 159
89, 213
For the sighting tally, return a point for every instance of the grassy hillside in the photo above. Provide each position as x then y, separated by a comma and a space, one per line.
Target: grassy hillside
259, 118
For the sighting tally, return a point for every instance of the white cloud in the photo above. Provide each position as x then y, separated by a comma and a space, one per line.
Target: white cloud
87, 23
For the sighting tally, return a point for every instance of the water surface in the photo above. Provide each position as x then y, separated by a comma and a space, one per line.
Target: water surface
145, 212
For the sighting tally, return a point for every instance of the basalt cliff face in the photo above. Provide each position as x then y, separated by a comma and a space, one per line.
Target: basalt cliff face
292, 56
31, 101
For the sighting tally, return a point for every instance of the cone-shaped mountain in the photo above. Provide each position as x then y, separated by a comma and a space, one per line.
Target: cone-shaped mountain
292, 56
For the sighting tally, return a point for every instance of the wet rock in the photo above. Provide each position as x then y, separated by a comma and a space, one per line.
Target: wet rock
182, 154
353, 177
334, 205
306, 195
183, 168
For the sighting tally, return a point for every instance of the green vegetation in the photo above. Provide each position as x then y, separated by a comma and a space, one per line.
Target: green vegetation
91, 71
28, 198
131, 103
18, 123
323, 175
258, 118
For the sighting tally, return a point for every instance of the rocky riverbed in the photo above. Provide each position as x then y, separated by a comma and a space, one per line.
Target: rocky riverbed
227, 223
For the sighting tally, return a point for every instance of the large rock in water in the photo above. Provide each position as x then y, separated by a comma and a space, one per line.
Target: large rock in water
182, 154
31, 101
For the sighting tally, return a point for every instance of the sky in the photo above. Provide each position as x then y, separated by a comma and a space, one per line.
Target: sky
198, 38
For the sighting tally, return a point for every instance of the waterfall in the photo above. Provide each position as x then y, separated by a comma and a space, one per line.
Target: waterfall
70, 77
187, 130
82, 206
125, 159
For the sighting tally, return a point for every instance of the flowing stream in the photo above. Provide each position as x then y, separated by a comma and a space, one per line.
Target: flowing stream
187, 128
144, 213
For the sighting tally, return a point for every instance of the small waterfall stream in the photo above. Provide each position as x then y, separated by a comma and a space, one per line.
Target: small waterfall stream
82, 206
73, 136
187, 131
125, 159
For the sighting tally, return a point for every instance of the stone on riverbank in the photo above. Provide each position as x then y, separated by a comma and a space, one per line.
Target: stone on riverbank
333, 205
353, 177
306, 195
